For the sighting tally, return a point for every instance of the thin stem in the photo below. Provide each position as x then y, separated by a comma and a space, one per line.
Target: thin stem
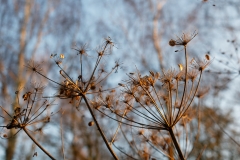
119, 125
185, 82
62, 138
99, 129
27, 117
96, 65
170, 103
156, 106
34, 140
176, 144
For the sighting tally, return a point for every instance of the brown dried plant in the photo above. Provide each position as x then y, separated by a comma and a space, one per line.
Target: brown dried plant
86, 84
30, 113
157, 103
162, 102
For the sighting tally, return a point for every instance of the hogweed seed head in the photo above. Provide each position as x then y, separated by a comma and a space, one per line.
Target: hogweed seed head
183, 40
200, 64
33, 66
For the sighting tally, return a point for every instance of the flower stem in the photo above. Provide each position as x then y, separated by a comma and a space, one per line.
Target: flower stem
34, 140
176, 143
99, 129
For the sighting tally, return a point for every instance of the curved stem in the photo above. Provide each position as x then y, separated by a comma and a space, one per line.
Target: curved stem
34, 140
99, 129
176, 143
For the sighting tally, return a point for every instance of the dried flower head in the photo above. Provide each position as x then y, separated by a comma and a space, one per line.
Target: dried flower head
82, 50
202, 92
33, 66
192, 74
183, 40
200, 64
168, 76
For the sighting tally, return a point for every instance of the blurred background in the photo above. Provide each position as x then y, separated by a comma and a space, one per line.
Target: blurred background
140, 30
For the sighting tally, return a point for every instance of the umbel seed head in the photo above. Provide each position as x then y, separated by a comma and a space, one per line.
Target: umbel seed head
183, 40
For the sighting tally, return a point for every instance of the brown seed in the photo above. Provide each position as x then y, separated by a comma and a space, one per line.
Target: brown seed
91, 123
172, 42
180, 66
35, 154
62, 56
207, 57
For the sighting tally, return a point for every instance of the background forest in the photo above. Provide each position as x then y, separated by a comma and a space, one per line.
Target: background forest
70, 73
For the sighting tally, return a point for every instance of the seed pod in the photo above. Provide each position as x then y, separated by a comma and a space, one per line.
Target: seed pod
172, 42
61, 56
180, 66
207, 57
91, 123
35, 154
120, 84
26, 96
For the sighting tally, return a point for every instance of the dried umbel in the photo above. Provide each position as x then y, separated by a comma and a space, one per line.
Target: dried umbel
157, 102
87, 84
31, 112
183, 40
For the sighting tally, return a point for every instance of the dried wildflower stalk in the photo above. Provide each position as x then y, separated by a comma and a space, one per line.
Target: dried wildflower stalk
31, 114
161, 108
77, 90
156, 102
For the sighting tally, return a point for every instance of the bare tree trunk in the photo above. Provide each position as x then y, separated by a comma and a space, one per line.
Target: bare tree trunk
20, 82
155, 35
